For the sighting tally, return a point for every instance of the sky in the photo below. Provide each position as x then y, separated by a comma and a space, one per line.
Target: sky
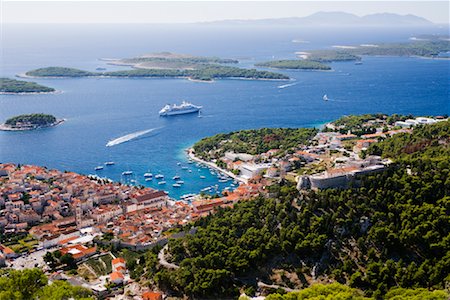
18, 11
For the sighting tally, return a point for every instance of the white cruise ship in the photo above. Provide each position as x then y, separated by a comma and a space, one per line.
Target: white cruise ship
183, 108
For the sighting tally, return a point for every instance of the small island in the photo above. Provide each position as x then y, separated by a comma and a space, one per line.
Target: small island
30, 122
166, 65
294, 64
12, 86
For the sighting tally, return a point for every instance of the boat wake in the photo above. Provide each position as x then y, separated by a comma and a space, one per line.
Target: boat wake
287, 85
129, 137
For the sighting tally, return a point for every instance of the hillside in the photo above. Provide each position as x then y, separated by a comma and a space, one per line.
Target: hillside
391, 232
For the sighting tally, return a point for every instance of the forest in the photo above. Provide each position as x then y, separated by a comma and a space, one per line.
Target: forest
388, 235
254, 141
33, 119
8, 85
206, 72
33, 284
294, 64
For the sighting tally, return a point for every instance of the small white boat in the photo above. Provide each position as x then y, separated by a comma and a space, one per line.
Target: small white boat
133, 180
178, 164
109, 163
190, 171
206, 189
148, 179
161, 182
325, 97
202, 177
176, 185
98, 168
180, 182
223, 180
126, 173
176, 177
148, 175
159, 176
184, 168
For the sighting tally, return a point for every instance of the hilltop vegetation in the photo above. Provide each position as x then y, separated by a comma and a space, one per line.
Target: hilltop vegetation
32, 119
33, 284
391, 232
8, 85
254, 141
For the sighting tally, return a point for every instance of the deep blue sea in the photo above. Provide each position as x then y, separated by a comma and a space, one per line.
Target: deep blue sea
98, 110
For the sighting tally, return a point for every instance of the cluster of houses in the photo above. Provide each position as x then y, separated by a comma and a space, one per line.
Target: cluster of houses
333, 159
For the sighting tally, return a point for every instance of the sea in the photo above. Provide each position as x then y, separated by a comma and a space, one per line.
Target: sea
98, 111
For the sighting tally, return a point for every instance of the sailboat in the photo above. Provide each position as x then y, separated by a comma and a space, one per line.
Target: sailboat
325, 97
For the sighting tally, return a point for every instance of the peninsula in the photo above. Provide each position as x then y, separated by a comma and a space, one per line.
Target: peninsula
12, 86
166, 65
30, 122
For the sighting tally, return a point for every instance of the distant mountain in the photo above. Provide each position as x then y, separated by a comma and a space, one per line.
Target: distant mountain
336, 19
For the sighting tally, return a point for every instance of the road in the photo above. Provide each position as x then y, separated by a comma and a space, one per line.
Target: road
162, 259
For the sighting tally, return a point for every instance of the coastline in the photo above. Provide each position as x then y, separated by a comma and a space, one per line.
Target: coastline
23, 75
4, 127
191, 155
31, 93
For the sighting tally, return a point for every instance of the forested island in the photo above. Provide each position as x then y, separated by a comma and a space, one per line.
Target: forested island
30, 122
166, 65
317, 59
385, 239
294, 64
12, 86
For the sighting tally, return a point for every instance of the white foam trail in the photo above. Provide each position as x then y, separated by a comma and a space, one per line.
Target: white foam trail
129, 137
287, 85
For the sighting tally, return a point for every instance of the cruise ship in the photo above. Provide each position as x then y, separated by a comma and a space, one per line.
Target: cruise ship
183, 108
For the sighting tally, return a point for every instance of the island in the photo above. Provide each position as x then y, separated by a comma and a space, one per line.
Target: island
30, 122
166, 65
296, 64
12, 86
431, 47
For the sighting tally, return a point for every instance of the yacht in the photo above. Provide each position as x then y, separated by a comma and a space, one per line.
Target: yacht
161, 182
159, 176
98, 168
127, 173
176, 177
176, 185
180, 182
183, 108
202, 177
148, 179
109, 163
148, 175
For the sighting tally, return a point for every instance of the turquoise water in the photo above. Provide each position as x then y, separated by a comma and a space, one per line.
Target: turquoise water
99, 110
